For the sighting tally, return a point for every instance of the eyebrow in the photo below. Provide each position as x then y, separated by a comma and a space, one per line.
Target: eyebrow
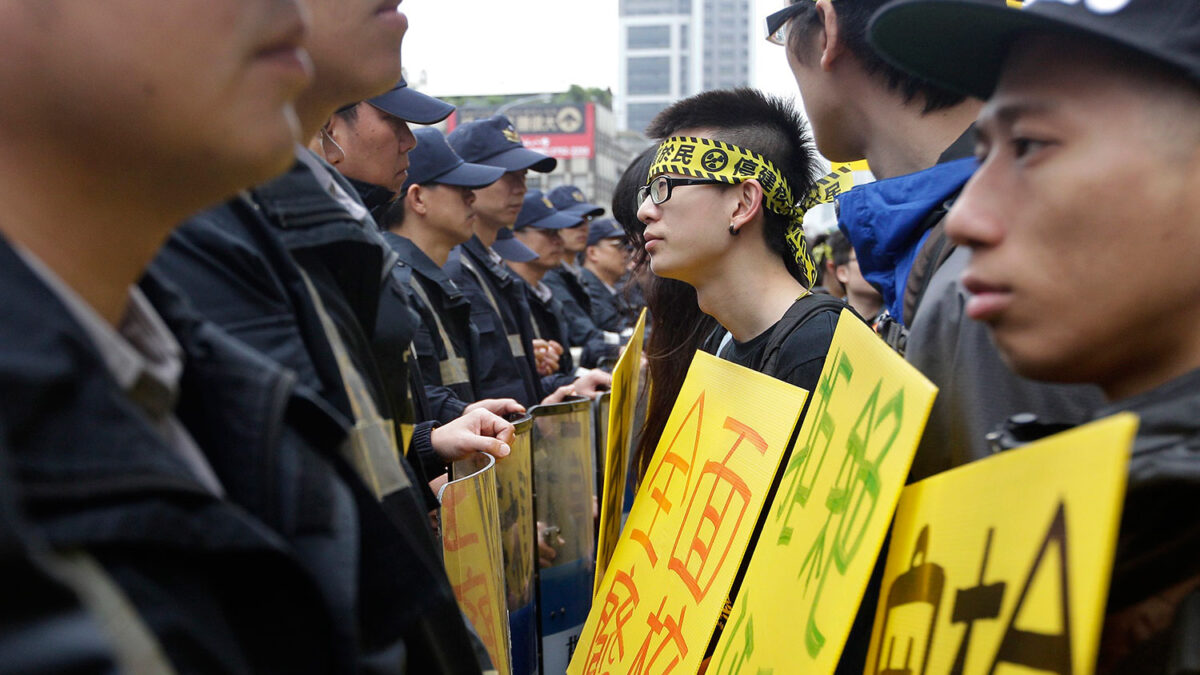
1008, 111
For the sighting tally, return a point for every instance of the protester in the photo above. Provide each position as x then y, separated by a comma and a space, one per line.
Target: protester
736, 237
915, 136
1090, 129
668, 352
860, 294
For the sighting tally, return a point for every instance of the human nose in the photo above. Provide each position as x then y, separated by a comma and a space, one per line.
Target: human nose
405, 136
974, 220
648, 211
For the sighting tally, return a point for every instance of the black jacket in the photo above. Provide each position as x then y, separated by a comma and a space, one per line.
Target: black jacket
581, 329
549, 324
505, 333
447, 381
610, 311
241, 264
221, 591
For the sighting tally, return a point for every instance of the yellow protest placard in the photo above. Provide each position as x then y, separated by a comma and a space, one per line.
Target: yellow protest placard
683, 543
472, 553
829, 517
1005, 562
616, 454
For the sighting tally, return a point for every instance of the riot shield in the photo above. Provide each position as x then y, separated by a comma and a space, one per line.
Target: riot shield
600, 411
514, 492
564, 504
473, 555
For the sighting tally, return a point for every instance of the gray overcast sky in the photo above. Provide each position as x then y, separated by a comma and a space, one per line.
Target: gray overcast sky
527, 46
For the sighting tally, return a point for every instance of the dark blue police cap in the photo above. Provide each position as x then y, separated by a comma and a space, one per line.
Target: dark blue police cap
494, 141
569, 199
538, 211
604, 228
434, 161
410, 105
511, 248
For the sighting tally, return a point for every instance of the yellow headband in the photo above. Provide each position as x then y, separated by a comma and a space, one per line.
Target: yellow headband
715, 160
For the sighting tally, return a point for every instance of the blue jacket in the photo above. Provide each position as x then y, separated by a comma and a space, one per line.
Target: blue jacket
887, 222
241, 263
507, 372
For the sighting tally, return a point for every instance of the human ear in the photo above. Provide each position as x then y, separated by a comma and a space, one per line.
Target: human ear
832, 45
749, 203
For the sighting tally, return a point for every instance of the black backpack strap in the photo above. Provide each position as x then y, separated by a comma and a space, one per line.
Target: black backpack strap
797, 315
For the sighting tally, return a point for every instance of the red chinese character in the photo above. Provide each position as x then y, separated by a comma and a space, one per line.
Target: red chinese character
714, 515
660, 484
619, 604
670, 647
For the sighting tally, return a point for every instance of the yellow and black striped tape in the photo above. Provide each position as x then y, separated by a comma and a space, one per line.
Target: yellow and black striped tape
716, 160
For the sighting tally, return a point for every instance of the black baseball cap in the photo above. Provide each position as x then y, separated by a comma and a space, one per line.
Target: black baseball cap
604, 228
494, 141
434, 161
570, 199
511, 248
538, 211
962, 44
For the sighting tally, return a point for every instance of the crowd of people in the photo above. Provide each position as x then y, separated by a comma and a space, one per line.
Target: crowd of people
257, 305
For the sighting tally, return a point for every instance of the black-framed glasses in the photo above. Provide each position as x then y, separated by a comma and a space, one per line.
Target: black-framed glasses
659, 189
777, 22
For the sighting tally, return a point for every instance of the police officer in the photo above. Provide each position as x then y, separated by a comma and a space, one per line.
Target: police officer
539, 226
606, 259
435, 213
565, 281
499, 308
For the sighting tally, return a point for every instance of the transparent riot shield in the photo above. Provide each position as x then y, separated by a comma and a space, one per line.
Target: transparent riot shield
514, 492
564, 502
600, 410
473, 555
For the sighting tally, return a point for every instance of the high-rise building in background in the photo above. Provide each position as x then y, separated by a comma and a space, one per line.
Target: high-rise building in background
671, 49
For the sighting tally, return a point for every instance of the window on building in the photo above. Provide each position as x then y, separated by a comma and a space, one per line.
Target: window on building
648, 75
649, 37
640, 114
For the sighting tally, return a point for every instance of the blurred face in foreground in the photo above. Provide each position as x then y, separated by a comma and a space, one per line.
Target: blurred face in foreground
1090, 171
190, 96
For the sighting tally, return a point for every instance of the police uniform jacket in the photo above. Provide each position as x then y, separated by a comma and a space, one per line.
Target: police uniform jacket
500, 314
447, 366
581, 329
610, 311
248, 265
219, 589
549, 324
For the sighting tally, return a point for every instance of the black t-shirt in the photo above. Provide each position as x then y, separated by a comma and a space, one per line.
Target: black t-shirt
801, 356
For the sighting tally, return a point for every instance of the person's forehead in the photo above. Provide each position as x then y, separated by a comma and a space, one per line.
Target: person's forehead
1046, 74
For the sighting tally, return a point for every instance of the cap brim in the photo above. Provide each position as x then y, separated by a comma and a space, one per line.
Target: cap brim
513, 250
555, 221
470, 175
584, 210
515, 159
958, 45
411, 105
